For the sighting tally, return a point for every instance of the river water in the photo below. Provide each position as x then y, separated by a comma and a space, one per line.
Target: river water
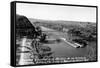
63, 49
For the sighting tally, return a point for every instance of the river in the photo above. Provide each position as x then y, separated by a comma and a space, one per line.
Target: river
63, 49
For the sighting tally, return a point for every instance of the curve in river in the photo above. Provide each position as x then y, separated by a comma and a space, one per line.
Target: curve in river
64, 49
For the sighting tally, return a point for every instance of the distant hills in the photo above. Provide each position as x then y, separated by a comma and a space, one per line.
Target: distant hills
77, 23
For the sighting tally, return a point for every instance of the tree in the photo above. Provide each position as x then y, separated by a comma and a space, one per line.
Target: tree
88, 33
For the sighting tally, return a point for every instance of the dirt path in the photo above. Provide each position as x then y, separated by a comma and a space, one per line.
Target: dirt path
25, 57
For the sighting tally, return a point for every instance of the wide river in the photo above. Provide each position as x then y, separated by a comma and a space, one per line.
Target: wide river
63, 49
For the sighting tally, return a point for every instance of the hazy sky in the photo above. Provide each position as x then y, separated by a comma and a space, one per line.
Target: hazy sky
55, 12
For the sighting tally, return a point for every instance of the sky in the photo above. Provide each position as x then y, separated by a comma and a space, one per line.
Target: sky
56, 12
